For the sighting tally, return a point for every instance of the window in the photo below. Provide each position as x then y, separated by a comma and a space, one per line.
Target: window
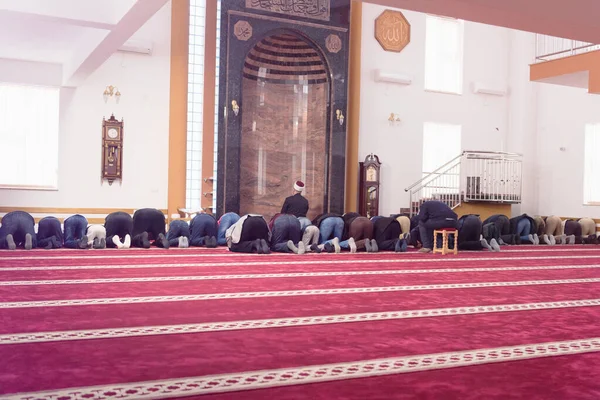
193, 186
29, 120
591, 169
196, 105
441, 143
444, 54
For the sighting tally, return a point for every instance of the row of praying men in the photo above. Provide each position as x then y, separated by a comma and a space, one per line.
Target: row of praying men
292, 231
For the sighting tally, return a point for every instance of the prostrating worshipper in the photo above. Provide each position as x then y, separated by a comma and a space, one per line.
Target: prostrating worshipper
404, 222
434, 215
554, 230
119, 226
502, 233
386, 231
286, 234
75, 232
149, 225
588, 230
250, 234
523, 227
375, 218
414, 238
179, 234
204, 230
49, 235
96, 235
572, 230
310, 235
331, 229
541, 230
360, 230
224, 223
17, 229
469, 235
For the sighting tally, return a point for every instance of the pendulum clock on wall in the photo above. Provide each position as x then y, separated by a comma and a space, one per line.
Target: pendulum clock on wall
112, 150
368, 186
282, 104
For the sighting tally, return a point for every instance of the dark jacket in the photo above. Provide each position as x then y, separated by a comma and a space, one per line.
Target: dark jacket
381, 225
435, 211
348, 218
469, 228
297, 205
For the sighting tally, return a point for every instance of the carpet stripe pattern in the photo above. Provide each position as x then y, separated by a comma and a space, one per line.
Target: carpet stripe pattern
204, 323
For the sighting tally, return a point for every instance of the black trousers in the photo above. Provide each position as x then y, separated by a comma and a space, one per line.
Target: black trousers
286, 227
48, 228
502, 224
573, 228
469, 232
117, 224
387, 239
150, 221
253, 228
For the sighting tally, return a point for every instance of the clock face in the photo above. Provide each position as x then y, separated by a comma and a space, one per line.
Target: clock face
113, 133
371, 174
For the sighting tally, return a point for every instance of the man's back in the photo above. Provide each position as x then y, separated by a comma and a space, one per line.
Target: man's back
296, 205
436, 210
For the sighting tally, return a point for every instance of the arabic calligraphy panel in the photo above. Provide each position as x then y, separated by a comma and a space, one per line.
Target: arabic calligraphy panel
314, 9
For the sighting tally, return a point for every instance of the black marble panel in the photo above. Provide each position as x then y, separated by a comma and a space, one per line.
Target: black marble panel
232, 59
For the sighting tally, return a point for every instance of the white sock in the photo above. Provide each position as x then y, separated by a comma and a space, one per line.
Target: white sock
127, 243
117, 242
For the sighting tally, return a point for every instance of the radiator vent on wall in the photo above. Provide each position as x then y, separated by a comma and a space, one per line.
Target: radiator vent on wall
137, 46
390, 77
482, 88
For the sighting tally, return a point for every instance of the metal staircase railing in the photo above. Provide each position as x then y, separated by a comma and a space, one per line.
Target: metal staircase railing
481, 176
551, 48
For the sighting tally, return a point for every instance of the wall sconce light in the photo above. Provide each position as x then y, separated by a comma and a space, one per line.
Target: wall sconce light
394, 119
235, 107
111, 91
339, 116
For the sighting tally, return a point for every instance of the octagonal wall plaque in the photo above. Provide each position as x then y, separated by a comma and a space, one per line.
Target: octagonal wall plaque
392, 31
242, 30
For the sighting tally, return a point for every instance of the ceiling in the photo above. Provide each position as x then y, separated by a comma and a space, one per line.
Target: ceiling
573, 19
78, 35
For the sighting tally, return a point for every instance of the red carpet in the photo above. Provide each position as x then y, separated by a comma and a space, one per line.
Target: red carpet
157, 324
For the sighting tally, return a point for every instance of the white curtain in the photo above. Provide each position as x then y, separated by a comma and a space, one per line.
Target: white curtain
29, 121
591, 171
444, 54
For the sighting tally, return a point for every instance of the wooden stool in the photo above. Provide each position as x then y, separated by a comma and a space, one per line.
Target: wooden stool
445, 233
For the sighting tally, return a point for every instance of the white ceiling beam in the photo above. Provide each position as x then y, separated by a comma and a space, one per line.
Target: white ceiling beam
88, 60
31, 18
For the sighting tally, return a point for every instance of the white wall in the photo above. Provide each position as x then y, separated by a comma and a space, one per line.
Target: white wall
562, 114
522, 117
144, 83
400, 147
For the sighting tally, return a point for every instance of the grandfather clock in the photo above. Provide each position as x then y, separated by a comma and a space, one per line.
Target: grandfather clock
368, 186
112, 149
